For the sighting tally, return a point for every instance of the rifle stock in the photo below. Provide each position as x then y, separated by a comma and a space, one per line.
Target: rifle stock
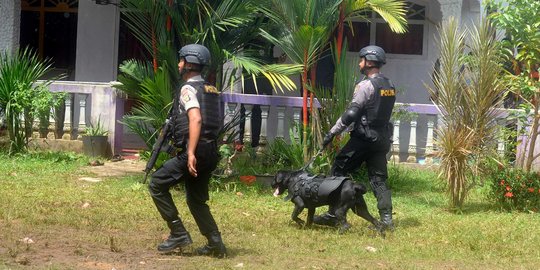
162, 139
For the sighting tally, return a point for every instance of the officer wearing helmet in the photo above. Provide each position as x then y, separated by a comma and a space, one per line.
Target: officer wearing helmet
195, 119
367, 118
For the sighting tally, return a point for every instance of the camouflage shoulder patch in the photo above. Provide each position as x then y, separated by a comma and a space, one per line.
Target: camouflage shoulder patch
186, 97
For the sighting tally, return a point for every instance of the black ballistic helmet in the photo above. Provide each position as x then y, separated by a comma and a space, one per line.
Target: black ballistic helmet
373, 53
196, 54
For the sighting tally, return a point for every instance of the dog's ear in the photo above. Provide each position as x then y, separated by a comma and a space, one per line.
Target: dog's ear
278, 178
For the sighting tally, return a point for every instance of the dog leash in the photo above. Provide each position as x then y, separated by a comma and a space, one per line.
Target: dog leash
312, 159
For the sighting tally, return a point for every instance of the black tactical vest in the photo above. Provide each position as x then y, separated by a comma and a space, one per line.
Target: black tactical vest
379, 110
317, 188
210, 106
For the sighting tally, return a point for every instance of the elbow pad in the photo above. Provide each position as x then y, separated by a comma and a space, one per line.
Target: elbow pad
350, 115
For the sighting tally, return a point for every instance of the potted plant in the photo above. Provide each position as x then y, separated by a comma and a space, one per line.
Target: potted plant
95, 143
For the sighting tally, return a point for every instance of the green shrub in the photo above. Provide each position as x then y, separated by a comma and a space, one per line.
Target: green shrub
515, 189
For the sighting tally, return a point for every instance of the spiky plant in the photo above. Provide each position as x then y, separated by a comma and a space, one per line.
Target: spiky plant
334, 101
467, 93
18, 75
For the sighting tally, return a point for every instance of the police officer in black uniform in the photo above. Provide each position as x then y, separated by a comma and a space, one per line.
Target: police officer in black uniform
368, 120
195, 122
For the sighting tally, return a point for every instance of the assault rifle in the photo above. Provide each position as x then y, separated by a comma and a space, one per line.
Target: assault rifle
162, 140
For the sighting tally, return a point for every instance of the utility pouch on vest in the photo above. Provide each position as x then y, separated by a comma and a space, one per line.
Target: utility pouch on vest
365, 131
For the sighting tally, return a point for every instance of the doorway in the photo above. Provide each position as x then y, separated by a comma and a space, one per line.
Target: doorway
50, 28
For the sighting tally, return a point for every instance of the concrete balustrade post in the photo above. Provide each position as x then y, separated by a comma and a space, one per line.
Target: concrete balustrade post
395, 142
412, 143
264, 123
429, 140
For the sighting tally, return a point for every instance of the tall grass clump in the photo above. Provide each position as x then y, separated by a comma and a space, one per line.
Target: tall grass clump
467, 91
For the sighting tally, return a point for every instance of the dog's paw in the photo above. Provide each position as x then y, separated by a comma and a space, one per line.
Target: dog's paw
344, 228
300, 222
378, 228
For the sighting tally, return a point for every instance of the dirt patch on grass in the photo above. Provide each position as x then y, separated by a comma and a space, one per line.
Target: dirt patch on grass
118, 168
67, 248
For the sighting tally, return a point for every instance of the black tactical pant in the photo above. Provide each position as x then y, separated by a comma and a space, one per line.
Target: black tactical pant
173, 172
359, 150
256, 121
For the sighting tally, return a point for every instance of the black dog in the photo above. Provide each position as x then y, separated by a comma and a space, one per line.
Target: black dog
309, 191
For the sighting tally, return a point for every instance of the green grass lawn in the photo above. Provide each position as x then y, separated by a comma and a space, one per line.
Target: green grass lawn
113, 224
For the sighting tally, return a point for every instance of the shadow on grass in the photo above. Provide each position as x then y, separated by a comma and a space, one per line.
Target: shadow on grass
405, 180
408, 222
475, 208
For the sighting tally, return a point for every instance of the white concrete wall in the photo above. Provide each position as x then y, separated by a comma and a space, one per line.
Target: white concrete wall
97, 42
10, 16
470, 13
410, 73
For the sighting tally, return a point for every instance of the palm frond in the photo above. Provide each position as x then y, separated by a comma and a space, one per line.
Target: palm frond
392, 11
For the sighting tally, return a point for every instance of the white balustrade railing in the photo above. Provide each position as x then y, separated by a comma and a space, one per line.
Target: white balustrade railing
413, 139
87, 103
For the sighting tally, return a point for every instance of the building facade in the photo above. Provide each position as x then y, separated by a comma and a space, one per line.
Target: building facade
86, 42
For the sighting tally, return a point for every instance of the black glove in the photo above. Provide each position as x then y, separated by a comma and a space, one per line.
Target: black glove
327, 139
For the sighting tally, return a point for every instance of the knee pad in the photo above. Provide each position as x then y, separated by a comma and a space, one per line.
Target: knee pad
153, 189
378, 184
382, 193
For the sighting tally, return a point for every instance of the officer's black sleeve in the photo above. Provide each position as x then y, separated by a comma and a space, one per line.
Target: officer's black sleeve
351, 114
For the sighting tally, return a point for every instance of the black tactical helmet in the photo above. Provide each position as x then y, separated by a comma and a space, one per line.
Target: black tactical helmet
373, 53
196, 54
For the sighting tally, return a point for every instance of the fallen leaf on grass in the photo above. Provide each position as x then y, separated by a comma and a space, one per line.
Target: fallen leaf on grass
90, 179
27, 240
371, 249
95, 163
240, 265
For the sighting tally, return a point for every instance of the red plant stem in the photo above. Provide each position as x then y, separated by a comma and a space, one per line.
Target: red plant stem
169, 22
154, 50
304, 106
341, 22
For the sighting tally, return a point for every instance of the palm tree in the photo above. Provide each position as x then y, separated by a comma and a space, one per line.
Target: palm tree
224, 27
307, 27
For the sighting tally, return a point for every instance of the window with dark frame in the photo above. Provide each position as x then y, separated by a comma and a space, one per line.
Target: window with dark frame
357, 35
129, 47
378, 32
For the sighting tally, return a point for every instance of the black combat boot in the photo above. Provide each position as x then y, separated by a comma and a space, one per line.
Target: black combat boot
179, 237
326, 219
215, 246
386, 219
